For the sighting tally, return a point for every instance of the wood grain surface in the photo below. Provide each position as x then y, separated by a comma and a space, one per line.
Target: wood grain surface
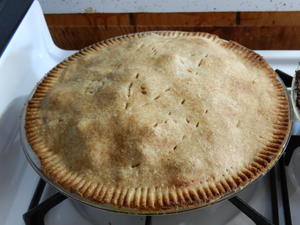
255, 30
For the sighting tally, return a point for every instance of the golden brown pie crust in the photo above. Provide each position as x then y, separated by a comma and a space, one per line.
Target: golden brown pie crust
199, 150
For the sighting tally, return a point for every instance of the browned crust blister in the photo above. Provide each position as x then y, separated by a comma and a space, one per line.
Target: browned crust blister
157, 199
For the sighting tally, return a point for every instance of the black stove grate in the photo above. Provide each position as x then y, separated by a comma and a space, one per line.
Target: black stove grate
37, 211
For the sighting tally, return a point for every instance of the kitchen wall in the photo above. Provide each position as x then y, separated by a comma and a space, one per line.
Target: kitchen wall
90, 6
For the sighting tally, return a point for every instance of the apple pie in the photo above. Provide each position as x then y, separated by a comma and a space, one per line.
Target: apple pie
158, 122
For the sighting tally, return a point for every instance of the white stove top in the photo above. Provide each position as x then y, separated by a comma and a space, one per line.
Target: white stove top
29, 55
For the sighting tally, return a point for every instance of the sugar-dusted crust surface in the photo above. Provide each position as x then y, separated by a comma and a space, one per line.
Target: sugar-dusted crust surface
158, 122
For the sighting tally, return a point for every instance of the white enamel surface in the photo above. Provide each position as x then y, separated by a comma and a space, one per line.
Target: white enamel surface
29, 55
79, 6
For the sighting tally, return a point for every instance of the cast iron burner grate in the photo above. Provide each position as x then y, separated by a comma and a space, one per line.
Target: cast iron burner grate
37, 210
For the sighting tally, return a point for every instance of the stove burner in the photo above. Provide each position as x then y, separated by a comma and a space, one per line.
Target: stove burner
37, 211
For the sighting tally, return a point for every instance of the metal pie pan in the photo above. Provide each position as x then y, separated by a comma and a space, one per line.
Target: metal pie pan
35, 163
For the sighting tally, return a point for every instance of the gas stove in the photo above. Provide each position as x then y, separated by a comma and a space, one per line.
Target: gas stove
27, 55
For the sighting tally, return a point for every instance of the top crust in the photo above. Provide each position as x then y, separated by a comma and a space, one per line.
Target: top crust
159, 121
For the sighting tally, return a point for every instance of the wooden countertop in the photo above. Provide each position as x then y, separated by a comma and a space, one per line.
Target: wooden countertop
255, 30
